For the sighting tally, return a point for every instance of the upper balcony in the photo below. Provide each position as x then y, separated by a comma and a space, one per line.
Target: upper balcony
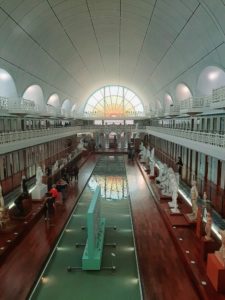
208, 143
195, 105
22, 107
218, 98
172, 110
15, 140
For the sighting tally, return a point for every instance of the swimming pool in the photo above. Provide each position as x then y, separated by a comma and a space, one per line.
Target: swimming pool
121, 282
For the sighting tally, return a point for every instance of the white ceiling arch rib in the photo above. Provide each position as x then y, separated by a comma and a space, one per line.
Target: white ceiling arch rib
75, 47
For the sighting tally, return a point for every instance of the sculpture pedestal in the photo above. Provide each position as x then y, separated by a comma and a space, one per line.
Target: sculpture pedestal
39, 192
216, 273
207, 246
175, 210
191, 218
172, 204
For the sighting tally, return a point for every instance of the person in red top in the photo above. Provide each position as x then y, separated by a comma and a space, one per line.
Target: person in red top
53, 191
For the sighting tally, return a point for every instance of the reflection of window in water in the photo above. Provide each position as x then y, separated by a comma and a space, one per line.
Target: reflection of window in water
112, 187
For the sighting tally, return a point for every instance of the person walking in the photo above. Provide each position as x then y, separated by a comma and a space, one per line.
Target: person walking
179, 164
76, 172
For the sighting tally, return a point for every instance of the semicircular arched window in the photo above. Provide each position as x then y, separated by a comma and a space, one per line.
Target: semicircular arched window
114, 102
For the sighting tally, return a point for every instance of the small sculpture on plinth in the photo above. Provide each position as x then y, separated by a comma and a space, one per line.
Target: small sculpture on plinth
147, 155
194, 197
162, 173
192, 217
40, 188
208, 227
4, 212
2, 202
80, 146
141, 146
143, 154
206, 205
173, 204
152, 163
55, 167
39, 174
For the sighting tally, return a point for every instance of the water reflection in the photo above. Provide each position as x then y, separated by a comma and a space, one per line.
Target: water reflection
113, 188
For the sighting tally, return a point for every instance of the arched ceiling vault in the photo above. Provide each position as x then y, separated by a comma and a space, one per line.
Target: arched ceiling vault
73, 47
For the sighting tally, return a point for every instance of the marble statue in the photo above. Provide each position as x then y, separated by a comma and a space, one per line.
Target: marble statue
153, 154
162, 172
194, 197
39, 174
147, 155
143, 154
80, 146
152, 163
136, 128
165, 182
141, 146
2, 203
40, 188
206, 205
55, 167
152, 167
208, 227
173, 204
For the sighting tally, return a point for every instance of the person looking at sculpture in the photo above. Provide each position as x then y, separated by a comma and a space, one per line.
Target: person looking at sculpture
48, 206
54, 193
19, 204
179, 164
24, 185
76, 172
61, 187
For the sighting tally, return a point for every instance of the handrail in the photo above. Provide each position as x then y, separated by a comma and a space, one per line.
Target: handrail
198, 136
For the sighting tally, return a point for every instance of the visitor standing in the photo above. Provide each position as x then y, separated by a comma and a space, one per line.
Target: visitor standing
76, 172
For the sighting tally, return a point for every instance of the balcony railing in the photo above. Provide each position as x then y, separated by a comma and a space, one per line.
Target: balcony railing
8, 137
203, 137
218, 95
4, 104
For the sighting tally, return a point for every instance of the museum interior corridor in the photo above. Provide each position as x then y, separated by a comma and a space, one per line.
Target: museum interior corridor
112, 149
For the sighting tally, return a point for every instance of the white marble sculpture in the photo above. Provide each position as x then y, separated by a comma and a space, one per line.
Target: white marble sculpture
208, 227
152, 168
141, 146
167, 179
174, 209
173, 204
147, 155
143, 155
205, 203
165, 183
162, 172
194, 197
153, 154
39, 174
40, 188
80, 146
2, 202
55, 167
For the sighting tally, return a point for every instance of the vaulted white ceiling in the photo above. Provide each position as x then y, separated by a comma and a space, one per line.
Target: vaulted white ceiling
73, 47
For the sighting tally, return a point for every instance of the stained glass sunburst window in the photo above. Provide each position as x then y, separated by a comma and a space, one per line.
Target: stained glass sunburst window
114, 102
